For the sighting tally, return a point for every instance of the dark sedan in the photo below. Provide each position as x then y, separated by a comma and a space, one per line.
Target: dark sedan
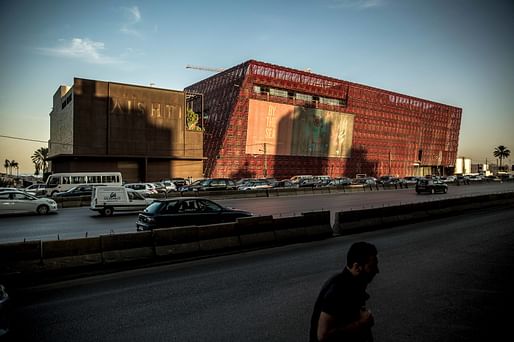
210, 184
185, 211
431, 186
77, 191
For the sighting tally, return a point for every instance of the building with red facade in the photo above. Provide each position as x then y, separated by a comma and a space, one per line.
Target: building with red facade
264, 120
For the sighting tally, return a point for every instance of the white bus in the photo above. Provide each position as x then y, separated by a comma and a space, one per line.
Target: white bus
59, 182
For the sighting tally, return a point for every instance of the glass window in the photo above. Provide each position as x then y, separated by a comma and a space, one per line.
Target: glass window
53, 180
303, 97
205, 205
78, 179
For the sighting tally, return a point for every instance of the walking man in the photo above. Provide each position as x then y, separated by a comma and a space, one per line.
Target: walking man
340, 313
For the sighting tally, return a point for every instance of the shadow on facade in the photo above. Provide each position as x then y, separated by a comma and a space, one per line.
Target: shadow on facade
359, 163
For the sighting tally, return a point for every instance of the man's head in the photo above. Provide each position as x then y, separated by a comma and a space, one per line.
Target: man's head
362, 261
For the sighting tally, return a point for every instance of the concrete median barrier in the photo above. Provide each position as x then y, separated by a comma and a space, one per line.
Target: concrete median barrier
176, 241
219, 237
59, 254
378, 218
255, 231
127, 247
18, 257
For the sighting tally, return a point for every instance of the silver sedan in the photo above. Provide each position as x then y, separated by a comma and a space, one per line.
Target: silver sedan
13, 202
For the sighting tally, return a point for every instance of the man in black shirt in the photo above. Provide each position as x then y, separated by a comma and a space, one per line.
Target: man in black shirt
340, 313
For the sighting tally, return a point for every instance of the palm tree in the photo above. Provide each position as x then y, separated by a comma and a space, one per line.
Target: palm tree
501, 152
39, 158
14, 164
7, 164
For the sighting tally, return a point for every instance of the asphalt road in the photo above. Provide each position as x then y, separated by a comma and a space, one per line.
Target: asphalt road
77, 222
444, 280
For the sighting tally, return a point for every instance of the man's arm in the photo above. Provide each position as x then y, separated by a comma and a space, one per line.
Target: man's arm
328, 326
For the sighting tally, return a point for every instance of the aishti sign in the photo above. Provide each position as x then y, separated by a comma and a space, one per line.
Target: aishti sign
298, 131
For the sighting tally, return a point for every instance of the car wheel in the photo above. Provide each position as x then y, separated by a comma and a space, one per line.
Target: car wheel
108, 211
43, 210
432, 191
445, 190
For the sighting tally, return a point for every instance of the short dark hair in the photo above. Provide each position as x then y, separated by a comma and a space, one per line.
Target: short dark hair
359, 252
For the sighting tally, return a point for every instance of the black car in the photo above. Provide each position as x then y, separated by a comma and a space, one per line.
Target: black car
185, 211
77, 191
431, 186
210, 184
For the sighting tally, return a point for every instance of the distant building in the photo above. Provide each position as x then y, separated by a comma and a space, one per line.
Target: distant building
264, 120
463, 166
143, 132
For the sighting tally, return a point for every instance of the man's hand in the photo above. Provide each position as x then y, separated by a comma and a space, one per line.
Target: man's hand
366, 317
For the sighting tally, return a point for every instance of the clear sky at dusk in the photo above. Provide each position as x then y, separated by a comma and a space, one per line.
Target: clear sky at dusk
456, 52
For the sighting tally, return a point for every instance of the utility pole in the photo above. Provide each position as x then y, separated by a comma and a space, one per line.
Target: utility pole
265, 161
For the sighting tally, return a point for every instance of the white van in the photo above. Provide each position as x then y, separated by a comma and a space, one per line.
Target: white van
107, 199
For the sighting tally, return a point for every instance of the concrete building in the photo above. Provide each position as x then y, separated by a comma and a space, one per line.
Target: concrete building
144, 132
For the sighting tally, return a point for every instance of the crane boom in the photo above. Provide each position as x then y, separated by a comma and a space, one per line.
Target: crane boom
189, 66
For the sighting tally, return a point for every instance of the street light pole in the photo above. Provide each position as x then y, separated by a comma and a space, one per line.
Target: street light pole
265, 161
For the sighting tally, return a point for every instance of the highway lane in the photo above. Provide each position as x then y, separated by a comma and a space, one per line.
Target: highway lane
444, 280
79, 222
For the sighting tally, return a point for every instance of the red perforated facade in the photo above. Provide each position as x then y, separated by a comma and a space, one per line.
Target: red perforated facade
313, 124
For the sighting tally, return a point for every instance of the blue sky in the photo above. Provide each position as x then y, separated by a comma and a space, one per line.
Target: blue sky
457, 52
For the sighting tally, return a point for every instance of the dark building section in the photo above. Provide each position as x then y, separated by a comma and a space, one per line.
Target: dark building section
264, 120
142, 132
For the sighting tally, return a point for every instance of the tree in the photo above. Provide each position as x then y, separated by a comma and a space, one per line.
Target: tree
39, 158
7, 165
501, 152
14, 164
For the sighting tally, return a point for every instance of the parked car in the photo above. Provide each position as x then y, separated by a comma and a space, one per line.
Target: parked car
410, 180
285, 183
13, 201
341, 181
388, 180
160, 187
4, 311
108, 199
365, 181
431, 186
185, 211
145, 189
210, 184
178, 181
169, 185
36, 189
77, 191
255, 185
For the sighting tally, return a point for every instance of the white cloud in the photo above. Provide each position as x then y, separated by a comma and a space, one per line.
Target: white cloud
358, 4
133, 16
85, 50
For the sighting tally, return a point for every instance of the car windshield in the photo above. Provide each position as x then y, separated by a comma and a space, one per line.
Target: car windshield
153, 208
